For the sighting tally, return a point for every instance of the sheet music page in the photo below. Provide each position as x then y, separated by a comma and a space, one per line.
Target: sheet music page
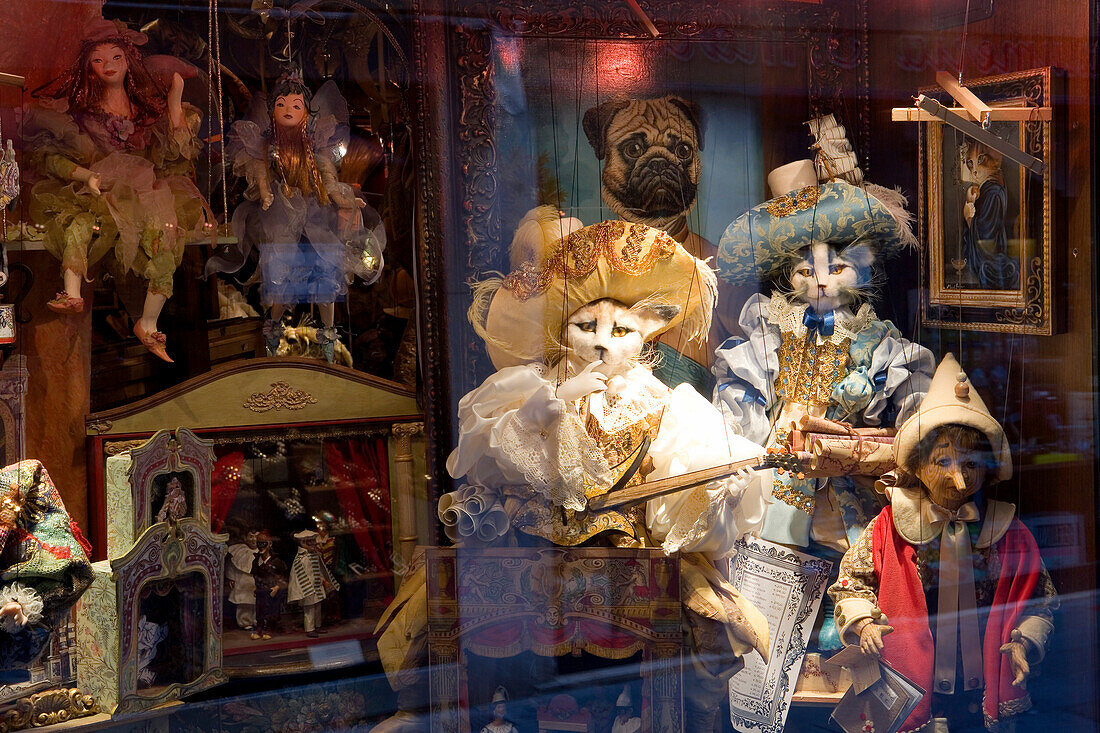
787, 587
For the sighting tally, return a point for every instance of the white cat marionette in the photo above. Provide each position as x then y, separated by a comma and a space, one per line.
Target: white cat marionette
814, 346
573, 401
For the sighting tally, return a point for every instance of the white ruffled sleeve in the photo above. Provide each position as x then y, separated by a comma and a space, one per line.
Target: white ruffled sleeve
514, 430
902, 373
709, 518
745, 372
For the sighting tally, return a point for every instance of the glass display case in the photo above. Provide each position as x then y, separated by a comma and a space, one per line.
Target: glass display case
595, 366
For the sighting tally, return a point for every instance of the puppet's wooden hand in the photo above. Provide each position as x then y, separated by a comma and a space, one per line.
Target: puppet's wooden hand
870, 637
1017, 659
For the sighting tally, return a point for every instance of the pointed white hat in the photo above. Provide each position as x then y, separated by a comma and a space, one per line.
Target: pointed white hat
952, 400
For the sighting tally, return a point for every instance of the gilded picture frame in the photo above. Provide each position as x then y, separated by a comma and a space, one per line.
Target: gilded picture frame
989, 225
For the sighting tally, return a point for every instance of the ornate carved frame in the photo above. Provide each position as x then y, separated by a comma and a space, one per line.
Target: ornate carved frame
171, 452
1033, 307
455, 119
168, 551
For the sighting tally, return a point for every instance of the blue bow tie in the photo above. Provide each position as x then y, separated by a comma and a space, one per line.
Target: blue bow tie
823, 324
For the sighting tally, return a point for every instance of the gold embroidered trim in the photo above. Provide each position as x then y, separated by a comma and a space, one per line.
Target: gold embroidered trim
800, 200
581, 252
808, 371
567, 528
1006, 709
622, 445
794, 498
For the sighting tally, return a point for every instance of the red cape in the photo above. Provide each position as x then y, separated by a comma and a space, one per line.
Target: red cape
910, 648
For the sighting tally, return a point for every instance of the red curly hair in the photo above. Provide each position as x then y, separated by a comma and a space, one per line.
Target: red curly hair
84, 90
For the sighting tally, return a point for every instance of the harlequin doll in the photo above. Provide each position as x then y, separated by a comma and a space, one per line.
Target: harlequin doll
307, 226
946, 584
44, 564
815, 346
569, 407
112, 150
310, 581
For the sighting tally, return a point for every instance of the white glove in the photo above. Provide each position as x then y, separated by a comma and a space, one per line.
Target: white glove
740, 481
583, 384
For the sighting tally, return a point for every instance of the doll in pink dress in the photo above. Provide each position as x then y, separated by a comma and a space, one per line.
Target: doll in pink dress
111, 155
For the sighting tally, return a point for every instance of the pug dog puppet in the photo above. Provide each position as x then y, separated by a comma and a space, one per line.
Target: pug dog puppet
650, 149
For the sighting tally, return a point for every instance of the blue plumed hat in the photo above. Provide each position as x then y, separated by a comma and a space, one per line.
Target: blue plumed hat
764, 240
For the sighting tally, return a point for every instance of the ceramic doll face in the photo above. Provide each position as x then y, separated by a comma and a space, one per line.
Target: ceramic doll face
290, 110
109, 64
952, 473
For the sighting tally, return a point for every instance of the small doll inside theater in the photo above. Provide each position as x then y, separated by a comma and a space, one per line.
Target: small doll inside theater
609, 366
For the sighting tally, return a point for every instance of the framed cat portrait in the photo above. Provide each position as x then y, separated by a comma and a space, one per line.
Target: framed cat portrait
992, 225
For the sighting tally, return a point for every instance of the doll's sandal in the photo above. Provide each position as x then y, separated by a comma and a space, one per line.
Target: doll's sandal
65, 303
154, 342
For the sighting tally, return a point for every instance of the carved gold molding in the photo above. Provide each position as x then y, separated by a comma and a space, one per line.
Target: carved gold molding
47, 708
281, 396
407, 429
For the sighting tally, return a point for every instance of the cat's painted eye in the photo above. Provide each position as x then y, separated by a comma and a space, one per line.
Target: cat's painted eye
836, 269
621, 331
586, 326
804, 271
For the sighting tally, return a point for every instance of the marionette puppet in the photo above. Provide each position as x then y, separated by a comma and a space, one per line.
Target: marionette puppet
269, 576
174, 507
815, 348
44, 565
625, 719
572, 403
499, 723
310, 582
307, 226
241, 584
112, 149
945, 584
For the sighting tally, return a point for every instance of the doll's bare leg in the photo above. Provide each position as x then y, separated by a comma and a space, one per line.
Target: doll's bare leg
69, 301
154, 304
72, 284
146, 327
77, 239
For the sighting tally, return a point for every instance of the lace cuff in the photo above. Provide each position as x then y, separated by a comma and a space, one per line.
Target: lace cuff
27, 598
695, 519
557, 457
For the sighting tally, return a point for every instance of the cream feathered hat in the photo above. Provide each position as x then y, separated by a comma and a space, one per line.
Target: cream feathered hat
952, 400
521, 316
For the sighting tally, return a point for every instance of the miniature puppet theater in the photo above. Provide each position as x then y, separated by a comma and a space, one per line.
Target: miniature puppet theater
603, 367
